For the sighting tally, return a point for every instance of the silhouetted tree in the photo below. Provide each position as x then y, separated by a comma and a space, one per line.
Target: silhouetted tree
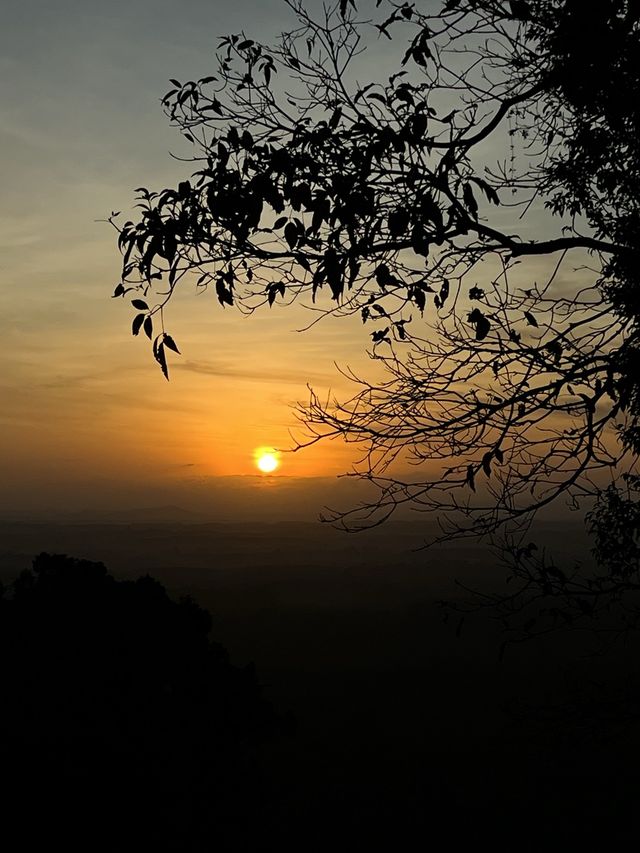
478, 207
123, 726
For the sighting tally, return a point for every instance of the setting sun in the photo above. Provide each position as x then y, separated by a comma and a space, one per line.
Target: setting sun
266, 460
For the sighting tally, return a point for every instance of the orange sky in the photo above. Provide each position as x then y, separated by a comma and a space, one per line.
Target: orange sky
83, 401
81, 127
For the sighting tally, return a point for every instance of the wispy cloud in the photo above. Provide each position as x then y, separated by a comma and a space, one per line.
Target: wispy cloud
224, 369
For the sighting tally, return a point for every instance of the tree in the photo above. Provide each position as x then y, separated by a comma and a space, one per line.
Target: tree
123, 726
478, 208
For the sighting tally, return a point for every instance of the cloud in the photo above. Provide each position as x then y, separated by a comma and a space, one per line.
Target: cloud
219, 368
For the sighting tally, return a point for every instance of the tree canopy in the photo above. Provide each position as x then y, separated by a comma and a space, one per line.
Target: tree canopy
124, 726
478, 207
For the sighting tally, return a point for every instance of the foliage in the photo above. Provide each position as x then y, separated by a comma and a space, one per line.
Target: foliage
412, 201
122, 723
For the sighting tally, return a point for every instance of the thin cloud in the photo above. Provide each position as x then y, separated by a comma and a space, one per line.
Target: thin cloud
214, 368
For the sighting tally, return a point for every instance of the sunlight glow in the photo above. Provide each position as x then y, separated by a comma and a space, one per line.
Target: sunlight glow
266, 459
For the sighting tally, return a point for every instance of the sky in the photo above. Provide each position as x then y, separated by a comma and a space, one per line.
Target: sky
84, 405
87, 418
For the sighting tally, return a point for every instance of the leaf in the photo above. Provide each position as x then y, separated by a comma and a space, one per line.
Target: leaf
380, 335
420, 240
481, 323
470, 200
486, 463
420, 298
161, 358
140, 304
383, 275
398, 222
488, 190
119, 291
304, 263
334, 121
138, 320
531, 320
280, 222
499, 455
225, 296
247, 43
444, 292
362, 92
170, 343
148, 327
471, 481
291, 234
555, 349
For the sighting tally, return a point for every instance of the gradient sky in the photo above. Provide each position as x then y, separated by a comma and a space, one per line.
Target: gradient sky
86, 412
83, 401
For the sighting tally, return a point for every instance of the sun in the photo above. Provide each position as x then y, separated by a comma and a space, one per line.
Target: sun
266, 459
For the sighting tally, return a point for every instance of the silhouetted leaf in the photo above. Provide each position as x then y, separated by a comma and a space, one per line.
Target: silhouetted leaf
419, 297
162, 360
225, 296
304, 263
148, 327
170, 343
470, 200
291, 234
531, 320
383, 276
555, 349
138, 320
481, 323
487, 189
398, 222
335, 118
471, 480
119, 291
420, 240
140, 304
380, 335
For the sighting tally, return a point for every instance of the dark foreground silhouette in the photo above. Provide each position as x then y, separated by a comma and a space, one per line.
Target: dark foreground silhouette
123, 726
